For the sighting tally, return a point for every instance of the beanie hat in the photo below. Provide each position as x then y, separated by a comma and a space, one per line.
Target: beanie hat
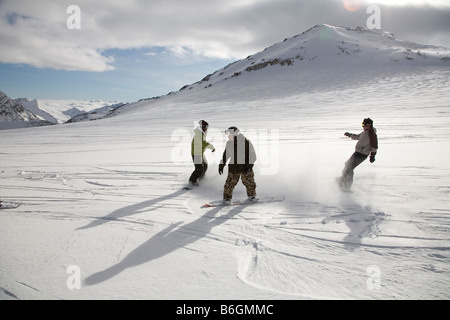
203, 123
368, 121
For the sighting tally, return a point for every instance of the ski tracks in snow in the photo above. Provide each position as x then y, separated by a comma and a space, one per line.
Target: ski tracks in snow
311, 250
295, 248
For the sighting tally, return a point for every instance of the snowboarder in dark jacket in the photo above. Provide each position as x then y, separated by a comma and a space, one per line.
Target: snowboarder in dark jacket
242, 156
366, 146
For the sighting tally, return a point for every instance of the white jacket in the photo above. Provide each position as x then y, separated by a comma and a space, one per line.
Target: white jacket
364, 145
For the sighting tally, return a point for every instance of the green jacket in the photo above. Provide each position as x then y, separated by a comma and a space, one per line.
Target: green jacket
199, 144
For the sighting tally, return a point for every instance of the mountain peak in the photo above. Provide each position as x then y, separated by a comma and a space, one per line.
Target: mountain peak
14, 115
327, 31
11, 110
324, 48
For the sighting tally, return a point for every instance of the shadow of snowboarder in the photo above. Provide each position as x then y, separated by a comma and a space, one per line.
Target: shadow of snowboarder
164, 242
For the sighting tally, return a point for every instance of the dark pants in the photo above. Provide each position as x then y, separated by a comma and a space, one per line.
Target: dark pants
355, 160
200, 168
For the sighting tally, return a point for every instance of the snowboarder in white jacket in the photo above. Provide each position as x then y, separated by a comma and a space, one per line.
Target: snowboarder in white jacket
198, 147
366, 146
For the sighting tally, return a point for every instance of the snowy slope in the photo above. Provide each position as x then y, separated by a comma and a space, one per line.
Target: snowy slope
104, 200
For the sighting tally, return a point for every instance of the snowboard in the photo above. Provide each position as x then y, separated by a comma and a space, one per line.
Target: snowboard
220, 203
190, 186
10, 205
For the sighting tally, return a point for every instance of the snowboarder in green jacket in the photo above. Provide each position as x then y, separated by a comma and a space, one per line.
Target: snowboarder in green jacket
198, 147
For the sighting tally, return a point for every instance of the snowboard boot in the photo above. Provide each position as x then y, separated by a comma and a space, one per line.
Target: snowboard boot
194, 183
343, 185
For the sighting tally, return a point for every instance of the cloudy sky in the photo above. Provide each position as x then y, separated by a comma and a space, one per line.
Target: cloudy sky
128, 50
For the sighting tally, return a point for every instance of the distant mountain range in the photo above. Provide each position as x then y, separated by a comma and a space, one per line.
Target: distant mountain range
14, 115
23, 112
317, 57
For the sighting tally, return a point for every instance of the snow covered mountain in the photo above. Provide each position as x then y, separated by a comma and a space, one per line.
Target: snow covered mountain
11, 110
14, 115
96, 114
33, 106
49, 112
65, 110
309, 57
104, 214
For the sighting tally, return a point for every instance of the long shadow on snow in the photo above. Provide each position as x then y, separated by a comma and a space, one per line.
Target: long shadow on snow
132, 209
360, 220
170, 239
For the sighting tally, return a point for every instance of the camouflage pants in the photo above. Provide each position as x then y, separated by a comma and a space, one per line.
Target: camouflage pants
248, 180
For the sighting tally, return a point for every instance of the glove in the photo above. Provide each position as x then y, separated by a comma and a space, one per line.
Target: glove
221, 166
347, 134
372, 157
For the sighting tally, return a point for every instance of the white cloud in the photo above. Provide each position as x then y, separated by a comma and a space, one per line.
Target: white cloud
33, 35
35, 32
